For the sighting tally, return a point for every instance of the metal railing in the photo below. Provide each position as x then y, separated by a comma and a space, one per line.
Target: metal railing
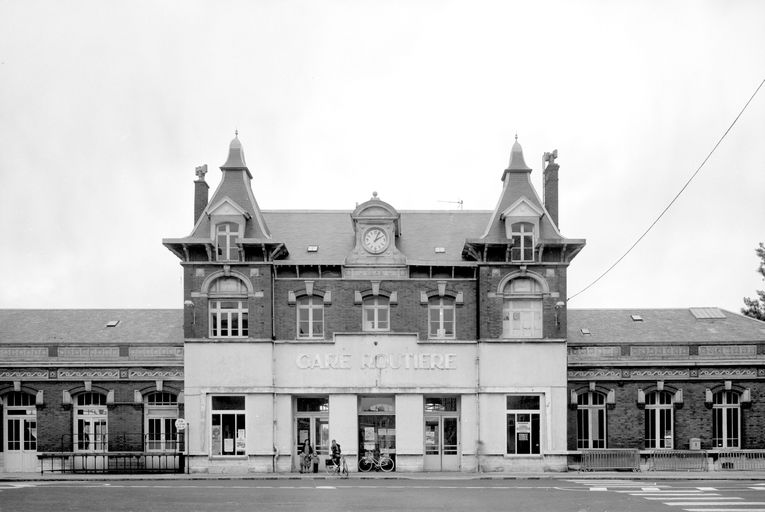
677, 460
120, 453
740, 460
610, 459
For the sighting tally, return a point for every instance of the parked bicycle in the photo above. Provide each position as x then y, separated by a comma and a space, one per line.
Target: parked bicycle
340, 469
369, 462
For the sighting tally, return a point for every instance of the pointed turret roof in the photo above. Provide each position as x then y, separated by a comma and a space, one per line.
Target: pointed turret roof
517, 163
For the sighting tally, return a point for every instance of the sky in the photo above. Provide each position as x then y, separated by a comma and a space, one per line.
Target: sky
107, 107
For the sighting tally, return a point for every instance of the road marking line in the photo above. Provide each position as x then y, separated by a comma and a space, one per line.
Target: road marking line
724, 509
325, 487
687, 503
598, 489
650, 489
699, 498
707, 488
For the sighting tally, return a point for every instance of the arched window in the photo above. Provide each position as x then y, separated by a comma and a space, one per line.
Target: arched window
591, 420
441, 318
726, 419
522, 310
228, 308
376, 314
161, 412
310, 316
523, 242
659, 420
91, 423
226, 237
20, 423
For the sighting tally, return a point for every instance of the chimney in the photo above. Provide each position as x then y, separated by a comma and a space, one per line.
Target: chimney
200, 192
550, 186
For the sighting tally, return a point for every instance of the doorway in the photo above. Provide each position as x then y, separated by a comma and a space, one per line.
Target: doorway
20, 432
312, 423
441, 434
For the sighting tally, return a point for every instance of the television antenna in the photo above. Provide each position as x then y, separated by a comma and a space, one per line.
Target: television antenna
458, 202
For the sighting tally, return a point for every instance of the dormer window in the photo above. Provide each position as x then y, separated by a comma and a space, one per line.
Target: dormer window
523, 242
226, 237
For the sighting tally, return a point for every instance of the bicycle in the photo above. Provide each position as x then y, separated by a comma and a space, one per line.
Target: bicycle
340, 469
369, 462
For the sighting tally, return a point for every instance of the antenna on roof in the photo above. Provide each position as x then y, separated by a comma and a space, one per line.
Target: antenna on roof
458, 202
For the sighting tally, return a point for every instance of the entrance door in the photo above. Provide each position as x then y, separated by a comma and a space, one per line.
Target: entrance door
441, 443
316, 429
20, 433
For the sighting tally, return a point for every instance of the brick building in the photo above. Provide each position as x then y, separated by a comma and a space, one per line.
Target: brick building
428, 337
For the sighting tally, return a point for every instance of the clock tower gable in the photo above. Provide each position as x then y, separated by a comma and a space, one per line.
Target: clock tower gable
377, 227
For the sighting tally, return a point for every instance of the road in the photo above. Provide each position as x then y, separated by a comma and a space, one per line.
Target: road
335, 495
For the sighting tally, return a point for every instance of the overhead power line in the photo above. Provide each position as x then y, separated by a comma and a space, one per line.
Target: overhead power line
601, 276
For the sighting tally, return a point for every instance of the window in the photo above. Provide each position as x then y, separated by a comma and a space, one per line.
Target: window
441, 317
228, 432
90, 423
229, 316
659, 410
523, 424
591, 420
522, 310
375, 311
161, 413
21, 422
726, 420
310, 317
523, 242
226, 236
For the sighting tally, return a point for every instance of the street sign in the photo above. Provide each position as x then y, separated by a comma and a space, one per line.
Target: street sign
180, 424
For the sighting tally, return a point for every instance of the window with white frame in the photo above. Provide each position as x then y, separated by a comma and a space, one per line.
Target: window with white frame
226, 237
441, 319
659, 420
228, 308
523, 241
228, 434
310, 316
726, 419
91, 423
21, 422
523, 418
591, 420
522, 309
161, 410
376, 314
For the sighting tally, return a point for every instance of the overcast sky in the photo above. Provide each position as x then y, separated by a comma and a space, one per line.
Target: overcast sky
107, 107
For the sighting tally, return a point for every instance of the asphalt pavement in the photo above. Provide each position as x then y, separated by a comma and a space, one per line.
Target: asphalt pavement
594, 475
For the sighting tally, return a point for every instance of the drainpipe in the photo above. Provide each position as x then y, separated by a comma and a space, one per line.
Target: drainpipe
477, 366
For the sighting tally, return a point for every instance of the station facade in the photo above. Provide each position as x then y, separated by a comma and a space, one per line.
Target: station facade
441, 339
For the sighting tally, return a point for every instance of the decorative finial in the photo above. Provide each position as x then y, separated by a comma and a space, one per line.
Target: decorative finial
516, 136
374, 195
236, 134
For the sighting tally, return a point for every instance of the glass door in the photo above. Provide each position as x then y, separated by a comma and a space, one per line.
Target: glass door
441, 443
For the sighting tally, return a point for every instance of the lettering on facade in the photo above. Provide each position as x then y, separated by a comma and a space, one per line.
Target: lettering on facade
394, 361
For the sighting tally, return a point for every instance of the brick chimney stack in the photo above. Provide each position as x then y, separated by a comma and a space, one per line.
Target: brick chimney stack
201, 189
550, 186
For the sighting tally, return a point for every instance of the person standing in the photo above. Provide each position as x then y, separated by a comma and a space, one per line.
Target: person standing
306, 457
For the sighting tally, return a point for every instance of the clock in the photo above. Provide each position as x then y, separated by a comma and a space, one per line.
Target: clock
375, 240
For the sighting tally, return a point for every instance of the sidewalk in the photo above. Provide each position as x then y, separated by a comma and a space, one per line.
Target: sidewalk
571, 475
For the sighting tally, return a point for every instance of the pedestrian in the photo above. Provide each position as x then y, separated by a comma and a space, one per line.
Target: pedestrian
306, 457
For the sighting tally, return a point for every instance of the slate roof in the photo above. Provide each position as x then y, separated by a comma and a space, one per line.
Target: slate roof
332, 230
609, 326
89, 326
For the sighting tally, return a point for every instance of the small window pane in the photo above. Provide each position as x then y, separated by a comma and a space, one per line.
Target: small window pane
228, 403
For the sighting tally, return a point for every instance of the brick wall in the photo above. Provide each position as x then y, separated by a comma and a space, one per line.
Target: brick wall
626, 421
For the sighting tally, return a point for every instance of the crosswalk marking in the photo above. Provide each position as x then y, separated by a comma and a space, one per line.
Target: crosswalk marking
706, 488
687, 503
724, 509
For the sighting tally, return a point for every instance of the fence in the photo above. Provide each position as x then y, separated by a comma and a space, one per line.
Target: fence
741, 460
677, 460
610, 459
123, 453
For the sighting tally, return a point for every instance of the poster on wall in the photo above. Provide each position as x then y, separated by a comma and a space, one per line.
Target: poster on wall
228, 445
302, 436
216, 441
369, 434
240, 440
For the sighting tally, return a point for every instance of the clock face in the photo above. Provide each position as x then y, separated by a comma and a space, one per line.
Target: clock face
375, 240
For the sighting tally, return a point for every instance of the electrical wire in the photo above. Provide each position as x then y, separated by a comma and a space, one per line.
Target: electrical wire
601, 276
